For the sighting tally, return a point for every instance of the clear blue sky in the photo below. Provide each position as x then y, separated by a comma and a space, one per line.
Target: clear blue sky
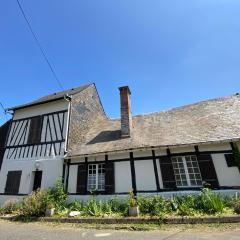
169, 52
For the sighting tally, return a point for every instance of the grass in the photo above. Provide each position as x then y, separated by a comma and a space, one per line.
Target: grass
219, 227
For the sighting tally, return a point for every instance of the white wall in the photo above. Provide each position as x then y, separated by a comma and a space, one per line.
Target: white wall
123, 178
227, 176
215, 147
145, 176
50, 107
72, 181
52, 171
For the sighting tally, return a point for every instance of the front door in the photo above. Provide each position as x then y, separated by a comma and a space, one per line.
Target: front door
37, 180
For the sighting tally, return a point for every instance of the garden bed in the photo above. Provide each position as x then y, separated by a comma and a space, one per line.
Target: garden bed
206, 207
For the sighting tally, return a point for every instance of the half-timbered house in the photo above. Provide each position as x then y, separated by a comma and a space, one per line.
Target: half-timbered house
68, 136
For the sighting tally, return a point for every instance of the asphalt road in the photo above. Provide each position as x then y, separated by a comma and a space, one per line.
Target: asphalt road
16, 231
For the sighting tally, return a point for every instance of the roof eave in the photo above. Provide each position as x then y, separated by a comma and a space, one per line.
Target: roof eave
34, 104
153, 147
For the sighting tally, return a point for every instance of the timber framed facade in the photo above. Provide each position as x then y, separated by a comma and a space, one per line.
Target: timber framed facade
68, 136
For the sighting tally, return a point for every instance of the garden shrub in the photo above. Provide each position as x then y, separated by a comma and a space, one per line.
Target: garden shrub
10, 206
57, 196
236, 205
99, 208
184, 205
93, 207
76, 206
118, 206
153, 206
210, 202
35, 204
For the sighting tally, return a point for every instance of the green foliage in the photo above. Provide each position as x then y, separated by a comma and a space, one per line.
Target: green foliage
118, 206
236, 205
76, 206
132, 200
207, 202
10, 206
57, 196
99, 208
93, 208
210, 202
153, 206
35, 204
184, 205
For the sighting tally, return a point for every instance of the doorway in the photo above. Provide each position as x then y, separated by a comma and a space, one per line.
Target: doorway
37, 180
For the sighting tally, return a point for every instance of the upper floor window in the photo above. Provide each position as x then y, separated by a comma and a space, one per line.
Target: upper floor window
35, 130
187, 172
96, 177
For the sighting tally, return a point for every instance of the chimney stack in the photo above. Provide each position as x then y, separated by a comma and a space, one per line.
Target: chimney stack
126, 114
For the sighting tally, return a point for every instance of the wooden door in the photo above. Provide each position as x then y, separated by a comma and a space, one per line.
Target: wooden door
37, 180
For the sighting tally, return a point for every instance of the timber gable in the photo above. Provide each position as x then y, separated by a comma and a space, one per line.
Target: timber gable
37, 136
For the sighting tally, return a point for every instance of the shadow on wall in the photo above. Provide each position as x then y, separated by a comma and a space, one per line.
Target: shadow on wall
106, 136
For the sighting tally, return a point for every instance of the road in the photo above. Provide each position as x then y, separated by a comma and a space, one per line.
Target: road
36, 231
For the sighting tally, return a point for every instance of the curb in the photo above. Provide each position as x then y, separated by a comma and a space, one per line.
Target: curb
183, 220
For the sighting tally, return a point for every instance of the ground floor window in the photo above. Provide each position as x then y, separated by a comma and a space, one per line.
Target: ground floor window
96, 177
186, 171
13, 182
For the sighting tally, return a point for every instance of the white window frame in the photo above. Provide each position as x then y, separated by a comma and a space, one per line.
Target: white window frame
96, 177
187, 174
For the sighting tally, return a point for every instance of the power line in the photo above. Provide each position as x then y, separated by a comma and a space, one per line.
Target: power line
39, 45
4, 110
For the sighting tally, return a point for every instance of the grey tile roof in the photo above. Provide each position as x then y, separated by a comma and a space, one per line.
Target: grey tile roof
208, 121
52, 97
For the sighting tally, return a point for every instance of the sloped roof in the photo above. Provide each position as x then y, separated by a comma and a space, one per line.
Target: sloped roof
52, 97
208, 121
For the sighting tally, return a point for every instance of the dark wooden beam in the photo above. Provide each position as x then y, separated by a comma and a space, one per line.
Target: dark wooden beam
133, 174
155, 170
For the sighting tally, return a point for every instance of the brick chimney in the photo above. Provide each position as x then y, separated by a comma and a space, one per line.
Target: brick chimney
126, 114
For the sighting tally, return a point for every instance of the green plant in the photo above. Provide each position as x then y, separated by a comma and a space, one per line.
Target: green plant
210, 202
236, 205
76, 206
132, 200
153, 206
118, 206
184, 205
57, 196
35, 204
10, 206
93, 207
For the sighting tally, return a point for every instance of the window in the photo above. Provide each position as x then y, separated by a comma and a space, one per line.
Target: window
13, 182
35, 130
186, 171
96, 177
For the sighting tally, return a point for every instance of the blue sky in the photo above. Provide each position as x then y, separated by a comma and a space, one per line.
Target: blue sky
169, 52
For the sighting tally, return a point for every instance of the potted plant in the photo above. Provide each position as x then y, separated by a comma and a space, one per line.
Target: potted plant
133, 205
50, 209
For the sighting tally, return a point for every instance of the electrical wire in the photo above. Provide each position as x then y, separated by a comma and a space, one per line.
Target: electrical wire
39, 45
4, 110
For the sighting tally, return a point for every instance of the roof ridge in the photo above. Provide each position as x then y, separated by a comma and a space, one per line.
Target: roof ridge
188, 105
66, 90
52, 97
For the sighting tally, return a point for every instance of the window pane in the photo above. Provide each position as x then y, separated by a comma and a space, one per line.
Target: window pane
180, 175
193, 171
96, 177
